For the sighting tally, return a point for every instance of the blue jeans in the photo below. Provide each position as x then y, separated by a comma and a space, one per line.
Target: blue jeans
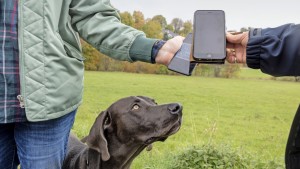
35, 145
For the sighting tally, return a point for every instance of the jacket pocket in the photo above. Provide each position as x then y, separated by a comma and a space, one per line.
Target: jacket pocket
70, 50
75, 34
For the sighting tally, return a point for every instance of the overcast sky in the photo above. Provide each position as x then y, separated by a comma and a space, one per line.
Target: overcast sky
239, 13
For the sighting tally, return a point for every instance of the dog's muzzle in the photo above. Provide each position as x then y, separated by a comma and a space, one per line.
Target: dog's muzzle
175, 108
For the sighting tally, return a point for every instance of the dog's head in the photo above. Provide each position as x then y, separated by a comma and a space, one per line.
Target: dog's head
134, 120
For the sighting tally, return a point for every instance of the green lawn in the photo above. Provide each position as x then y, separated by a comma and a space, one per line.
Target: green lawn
251, 114
253, 74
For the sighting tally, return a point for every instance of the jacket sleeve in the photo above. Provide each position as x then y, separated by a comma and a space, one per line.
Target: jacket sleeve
276, 51
98, 23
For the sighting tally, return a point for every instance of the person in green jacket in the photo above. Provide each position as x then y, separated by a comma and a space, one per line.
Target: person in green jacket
41, 71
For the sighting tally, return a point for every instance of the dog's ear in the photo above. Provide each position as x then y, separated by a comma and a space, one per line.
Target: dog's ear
96, 139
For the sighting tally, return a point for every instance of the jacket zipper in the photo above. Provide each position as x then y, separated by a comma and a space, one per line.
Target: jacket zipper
21, 59
21, 100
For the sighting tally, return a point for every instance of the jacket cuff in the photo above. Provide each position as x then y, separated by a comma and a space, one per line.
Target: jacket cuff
141, 49
254, 48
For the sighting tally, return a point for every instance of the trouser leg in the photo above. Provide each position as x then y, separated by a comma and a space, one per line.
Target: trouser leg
8, 152
42, 145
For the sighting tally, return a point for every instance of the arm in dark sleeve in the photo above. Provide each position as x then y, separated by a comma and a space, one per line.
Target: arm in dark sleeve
276, 51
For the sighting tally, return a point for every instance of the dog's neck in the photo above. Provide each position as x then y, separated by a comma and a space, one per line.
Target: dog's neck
121, 154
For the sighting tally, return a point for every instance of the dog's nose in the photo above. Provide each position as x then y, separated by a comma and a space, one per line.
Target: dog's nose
175, 108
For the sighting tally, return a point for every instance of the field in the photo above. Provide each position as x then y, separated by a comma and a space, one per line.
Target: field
250, 114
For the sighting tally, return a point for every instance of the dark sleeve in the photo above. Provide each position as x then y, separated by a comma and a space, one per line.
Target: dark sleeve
275, 51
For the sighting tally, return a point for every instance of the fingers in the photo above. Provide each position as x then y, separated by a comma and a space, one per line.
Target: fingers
229, 45
231, 55
174, 44
180, 38
236, 47
234, 38
168, 50
238, 38
237, 54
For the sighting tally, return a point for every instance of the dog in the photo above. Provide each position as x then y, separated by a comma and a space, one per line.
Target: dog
121, 132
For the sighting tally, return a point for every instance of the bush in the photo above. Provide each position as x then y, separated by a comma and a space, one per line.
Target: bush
219, 157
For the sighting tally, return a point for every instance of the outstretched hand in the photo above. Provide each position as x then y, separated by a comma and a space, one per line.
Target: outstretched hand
168, 50
236, 47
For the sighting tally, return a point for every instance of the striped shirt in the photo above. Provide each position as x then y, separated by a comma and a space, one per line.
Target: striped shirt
10, 110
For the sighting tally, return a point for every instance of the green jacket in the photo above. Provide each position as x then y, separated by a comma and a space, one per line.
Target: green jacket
51, 62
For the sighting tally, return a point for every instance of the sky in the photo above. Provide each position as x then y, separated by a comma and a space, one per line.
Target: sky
239, 13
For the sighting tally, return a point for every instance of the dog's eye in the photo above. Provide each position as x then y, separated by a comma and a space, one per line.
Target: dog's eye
135, 107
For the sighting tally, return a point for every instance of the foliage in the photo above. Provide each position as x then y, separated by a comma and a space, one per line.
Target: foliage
161, 20
170, 27
220, 157
177, 24
139, 20
225, 71
92, 57
153, 29
230, 70
187, 28
127, 18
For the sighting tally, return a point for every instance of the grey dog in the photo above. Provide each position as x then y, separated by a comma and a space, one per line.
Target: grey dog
121, 132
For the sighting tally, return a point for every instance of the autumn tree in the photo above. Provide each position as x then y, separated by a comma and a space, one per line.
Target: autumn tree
161, 20
139, 20
177, 24
170, 27
127, 19
92, 57
153, 29
187, 28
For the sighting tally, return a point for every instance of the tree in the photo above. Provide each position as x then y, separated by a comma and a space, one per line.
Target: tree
170, 27
161, 20
187, 28
177, 24
92, 56
153, 29
139, 20
127, 19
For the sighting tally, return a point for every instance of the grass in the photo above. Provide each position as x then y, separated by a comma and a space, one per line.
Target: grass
253, 74
250, 114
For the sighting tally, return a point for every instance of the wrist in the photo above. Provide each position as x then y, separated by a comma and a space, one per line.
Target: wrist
163, 56
245, 39
155, 50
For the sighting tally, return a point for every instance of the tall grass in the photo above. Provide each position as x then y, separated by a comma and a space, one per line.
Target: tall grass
253, 115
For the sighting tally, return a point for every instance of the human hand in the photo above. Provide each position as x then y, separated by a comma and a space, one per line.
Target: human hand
168, 50
236, 47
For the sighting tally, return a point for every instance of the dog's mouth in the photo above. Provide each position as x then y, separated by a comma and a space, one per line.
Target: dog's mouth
174, 129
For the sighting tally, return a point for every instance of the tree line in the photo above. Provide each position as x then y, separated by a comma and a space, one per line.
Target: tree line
156, 27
